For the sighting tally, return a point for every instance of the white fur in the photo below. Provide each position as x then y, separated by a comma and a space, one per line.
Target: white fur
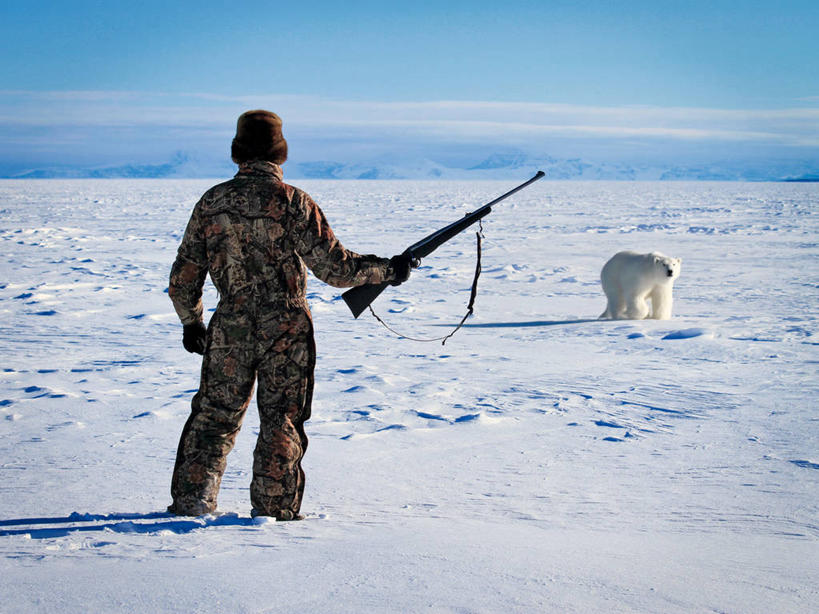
630, 279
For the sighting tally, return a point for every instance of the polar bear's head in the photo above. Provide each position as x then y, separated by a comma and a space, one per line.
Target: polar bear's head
667, 267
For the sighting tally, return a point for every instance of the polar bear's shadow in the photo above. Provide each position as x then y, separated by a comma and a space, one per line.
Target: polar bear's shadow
527, 324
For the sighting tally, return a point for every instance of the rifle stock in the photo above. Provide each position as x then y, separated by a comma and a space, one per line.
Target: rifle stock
360, 297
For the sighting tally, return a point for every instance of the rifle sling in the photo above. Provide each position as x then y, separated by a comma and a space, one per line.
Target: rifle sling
469, 308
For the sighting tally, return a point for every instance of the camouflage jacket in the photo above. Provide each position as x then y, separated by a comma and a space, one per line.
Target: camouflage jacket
254, 234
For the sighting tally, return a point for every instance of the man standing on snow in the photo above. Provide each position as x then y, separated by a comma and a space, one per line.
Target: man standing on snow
254, 234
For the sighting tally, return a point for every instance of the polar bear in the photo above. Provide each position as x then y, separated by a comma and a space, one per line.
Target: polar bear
629, 279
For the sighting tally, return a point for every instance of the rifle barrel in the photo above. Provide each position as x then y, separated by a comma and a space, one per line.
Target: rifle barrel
431, 242
360, 297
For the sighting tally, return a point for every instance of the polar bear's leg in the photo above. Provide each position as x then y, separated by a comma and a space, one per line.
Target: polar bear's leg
608, 314
619, 308
661, 302
636, 308
615, 305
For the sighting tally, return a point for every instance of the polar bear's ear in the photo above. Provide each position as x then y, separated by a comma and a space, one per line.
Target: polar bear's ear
679, 260
657, 260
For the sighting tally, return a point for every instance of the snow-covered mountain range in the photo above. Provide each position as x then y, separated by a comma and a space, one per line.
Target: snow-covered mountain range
500, 165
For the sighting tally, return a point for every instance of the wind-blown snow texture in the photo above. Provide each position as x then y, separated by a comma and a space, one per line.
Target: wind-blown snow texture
541, 461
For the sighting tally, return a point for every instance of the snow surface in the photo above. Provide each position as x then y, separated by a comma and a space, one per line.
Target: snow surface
540, 461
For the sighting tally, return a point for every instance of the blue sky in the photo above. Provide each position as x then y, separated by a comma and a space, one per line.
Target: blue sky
96, 83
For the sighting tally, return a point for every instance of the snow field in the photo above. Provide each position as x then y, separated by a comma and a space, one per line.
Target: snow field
540, 461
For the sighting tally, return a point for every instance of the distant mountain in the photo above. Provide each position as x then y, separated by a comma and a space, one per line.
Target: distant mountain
182, 165
803, 179
415, 169
700, 173
337, 170
503, 160
497, 165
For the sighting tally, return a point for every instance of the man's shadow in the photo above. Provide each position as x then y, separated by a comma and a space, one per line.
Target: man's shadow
62, 526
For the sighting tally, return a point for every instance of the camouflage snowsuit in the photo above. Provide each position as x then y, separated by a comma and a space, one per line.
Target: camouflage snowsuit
254, 234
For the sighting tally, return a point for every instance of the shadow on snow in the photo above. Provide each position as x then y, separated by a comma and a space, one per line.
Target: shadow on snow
529, 324
119, 523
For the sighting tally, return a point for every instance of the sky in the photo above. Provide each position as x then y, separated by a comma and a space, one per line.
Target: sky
106, 83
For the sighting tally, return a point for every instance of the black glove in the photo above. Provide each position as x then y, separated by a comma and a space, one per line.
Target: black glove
401, 265
193, 337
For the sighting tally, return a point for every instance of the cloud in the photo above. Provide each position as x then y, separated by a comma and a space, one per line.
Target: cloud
468, 119
480, 129
143, 126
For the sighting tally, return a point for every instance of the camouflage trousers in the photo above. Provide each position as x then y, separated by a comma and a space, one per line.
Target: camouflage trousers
278, 350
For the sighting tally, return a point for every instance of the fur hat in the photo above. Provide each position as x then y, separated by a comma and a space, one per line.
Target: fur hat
259, 137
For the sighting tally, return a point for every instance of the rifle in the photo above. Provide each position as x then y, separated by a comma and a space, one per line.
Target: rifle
360, 297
